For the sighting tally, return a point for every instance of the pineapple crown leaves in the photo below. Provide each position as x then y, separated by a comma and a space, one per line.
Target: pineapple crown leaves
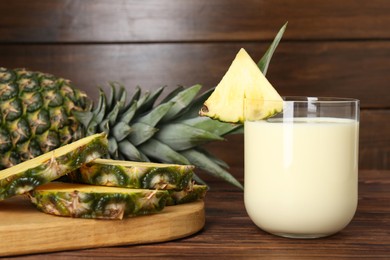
169, 132
138, 129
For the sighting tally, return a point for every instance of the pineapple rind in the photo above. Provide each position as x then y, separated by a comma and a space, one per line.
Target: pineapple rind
33, 173
97, 202
191, 194
135, 175
36, 114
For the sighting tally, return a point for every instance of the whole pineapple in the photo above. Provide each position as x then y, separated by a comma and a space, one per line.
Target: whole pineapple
40, 112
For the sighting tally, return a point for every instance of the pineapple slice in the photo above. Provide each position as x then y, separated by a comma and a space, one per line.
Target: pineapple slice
191, 193
27, 175
139, 175
88, 201
243, 94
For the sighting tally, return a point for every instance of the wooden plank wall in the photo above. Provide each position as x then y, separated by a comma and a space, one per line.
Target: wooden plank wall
330, 48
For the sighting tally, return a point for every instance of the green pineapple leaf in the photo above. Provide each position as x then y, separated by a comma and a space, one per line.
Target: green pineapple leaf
121, 94
84, 117
181, 101
100, 110
152, 97
117, 93
141, 103
162, 152
203, 162
121, 130
210, 125
193, 110
140, 133
104, 126
172, 94
128, 115
112, 96
181, 137
212, 157
265, 60
112, 146
155, 115
131, 152
238, 130
136, 95
112, 116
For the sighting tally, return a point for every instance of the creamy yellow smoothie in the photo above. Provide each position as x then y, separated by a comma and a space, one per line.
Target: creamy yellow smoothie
301, 175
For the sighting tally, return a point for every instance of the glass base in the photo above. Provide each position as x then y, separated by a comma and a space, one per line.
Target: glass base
301, 236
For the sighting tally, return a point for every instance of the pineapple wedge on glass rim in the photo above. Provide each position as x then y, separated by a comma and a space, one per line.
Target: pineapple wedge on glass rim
50, 166
243, 88
137, 175
98, 202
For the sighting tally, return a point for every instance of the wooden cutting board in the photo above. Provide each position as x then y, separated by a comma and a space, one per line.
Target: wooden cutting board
25, 230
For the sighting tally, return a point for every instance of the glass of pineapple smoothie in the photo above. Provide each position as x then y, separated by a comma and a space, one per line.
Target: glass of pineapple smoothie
301, 167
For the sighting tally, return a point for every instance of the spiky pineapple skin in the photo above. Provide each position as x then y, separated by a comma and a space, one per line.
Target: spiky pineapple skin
36, 114
96, 204
190, 194
134, 175
51, 169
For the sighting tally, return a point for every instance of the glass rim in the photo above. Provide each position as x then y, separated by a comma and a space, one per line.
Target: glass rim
313, 99
318, 99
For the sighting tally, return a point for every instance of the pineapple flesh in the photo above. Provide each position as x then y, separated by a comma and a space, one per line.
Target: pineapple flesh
97, 202
243, 94
30, 174
138, 175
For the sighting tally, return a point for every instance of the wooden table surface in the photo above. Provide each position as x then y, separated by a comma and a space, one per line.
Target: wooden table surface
230, 234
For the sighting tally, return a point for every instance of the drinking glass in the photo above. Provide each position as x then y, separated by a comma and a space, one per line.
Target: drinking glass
301, 167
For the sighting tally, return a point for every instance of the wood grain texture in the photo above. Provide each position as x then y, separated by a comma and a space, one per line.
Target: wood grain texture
348, 69
25, 230
332, 48
200, 20
375, 139
298, 68
230, 234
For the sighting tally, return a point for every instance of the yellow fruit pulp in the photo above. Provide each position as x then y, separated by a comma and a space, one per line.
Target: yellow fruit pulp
136, 164
244, 93
71, 187
24, 166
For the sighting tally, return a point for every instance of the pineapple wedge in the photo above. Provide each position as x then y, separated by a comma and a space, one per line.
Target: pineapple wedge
30, 174
98, 202
243, 94
137, 175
